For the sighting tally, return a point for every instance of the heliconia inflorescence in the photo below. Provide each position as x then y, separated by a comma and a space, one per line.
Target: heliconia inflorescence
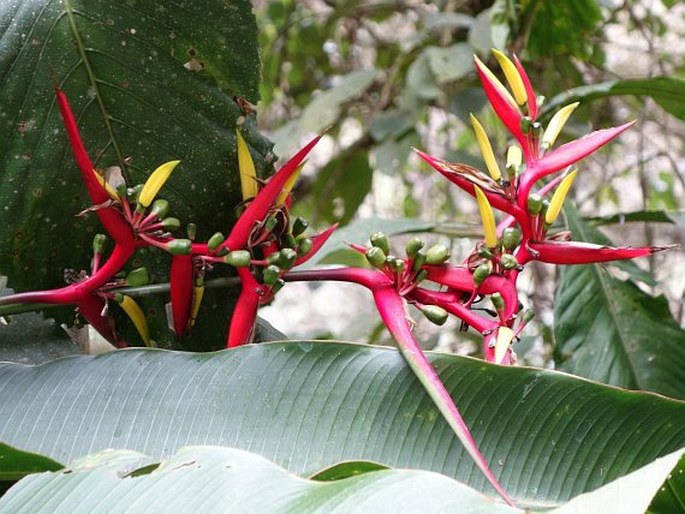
264, 245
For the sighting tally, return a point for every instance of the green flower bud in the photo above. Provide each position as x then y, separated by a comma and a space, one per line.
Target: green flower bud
511, 237
413, 246
99, 242
215, 241
299, 226
132, 193
160, 208
270, 223
138, 277
482, 272
376, 257
497, 301
122, 190
536, 129
191, 230
435, 314
485, 253
437, 254
288, 241
380, 240
545, 206
179, 246
278, 285
273, 258
508, 261
271, 274
304, 246
526, 124
287, 258
419, 261
396, 264
171, 223
534, 203
420, 276
238, 258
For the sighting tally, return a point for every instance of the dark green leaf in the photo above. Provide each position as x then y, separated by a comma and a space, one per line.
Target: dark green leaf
15, 463
609, 330
346, 470
677, 218
665, 91
309, 405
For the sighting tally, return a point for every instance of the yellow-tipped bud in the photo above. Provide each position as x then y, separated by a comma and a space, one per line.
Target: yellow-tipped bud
197, 301
107, 186
488, 218
556, 124
288, 186
495, 81
513, 77
155, 182
504, 338
514, 157
133, 310
558, 197
248, 174
486, 149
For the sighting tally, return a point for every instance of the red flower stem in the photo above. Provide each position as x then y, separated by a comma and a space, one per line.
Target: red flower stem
182, 282
448, 302
244, 316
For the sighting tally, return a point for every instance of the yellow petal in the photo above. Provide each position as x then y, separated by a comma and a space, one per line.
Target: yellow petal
514, 157
556, 124
513, 77
155, 182
504, 338
107, 186
133, 310
558, 197
495, 81
289, 184
486, 149
488, 218
248, 174
197, 301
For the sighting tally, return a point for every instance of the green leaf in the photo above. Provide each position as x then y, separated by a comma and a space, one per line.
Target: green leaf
665, 91
307, 406
346, 470
676, 218
122, 66
16, 463
228, 480
611, 331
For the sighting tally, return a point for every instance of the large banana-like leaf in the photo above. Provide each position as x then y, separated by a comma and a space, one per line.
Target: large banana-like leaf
548, 436
149, 82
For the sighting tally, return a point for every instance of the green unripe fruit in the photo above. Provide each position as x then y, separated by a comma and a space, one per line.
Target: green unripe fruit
485, 253
278, 285
511, 237
545, 206
99, 242
419, 261
396, 264
508, 261
179, 246
380, 240
287, 258
413, 247
497, 301
138, 277
215, 241
160, 208
534, 204
482, 272
270, 223
288, 241
299, 226
271, 274
437, 254
273, 258
376, 257
536, 129
238, 258
526, 124
435, 314
171, 223
304, 246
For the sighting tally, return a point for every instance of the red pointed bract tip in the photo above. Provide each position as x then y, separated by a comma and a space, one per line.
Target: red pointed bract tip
530, 92
318, 240
573, 252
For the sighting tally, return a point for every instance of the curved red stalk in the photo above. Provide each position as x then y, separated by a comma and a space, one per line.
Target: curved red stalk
91, 307
182, 284
244, 316
564, 156
574, 252
449, 302
365, 277
391, 309
262, 203
318, 240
